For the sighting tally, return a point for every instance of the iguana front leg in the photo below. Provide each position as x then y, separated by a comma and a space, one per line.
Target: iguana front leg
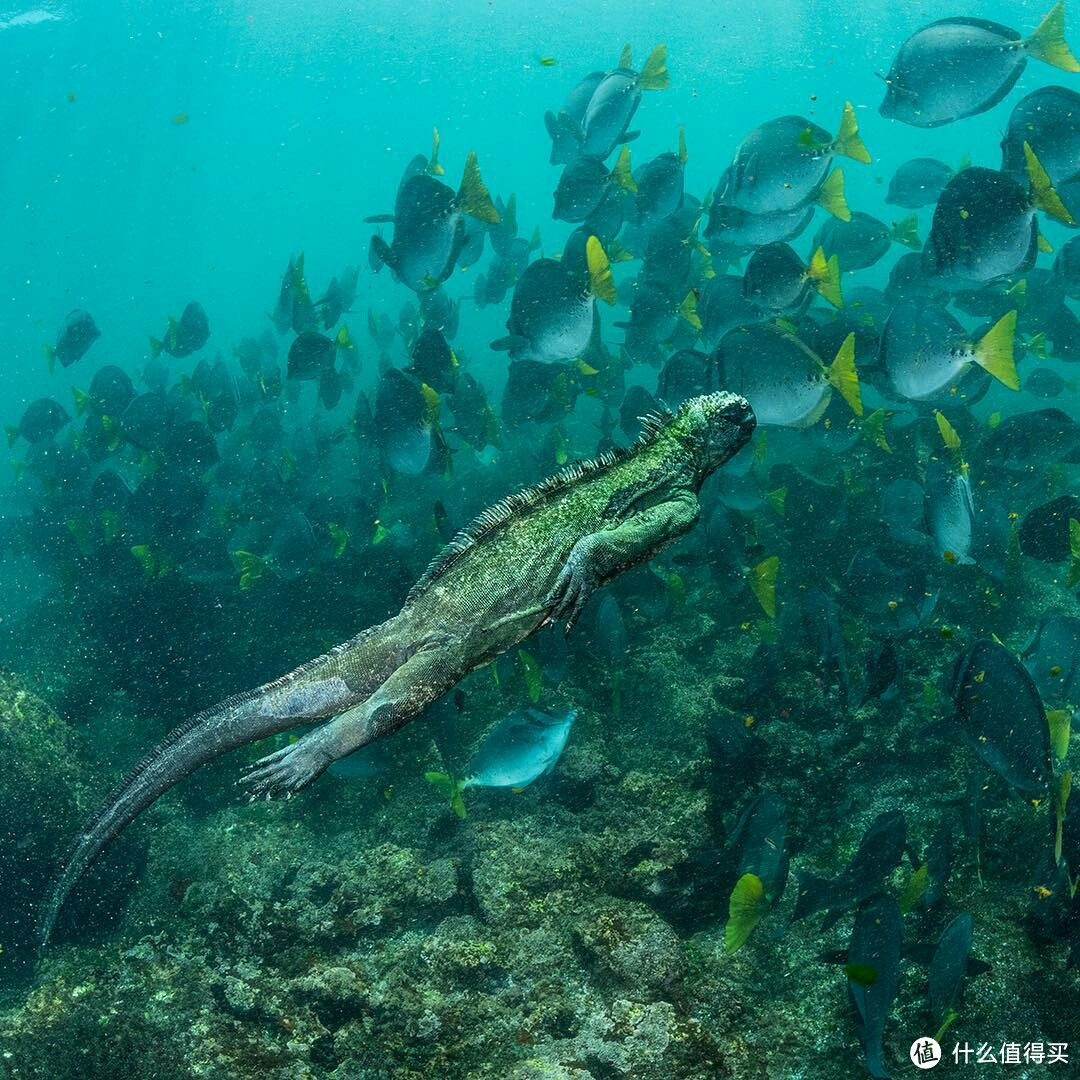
598, 557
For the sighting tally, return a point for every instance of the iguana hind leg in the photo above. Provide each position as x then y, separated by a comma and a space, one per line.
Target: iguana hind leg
419, 682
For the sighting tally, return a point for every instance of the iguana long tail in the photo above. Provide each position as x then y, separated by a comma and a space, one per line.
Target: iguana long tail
311, 692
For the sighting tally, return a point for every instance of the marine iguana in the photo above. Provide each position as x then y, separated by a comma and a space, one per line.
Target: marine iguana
528, 561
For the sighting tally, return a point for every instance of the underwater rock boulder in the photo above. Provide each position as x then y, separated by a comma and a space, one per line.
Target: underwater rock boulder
40, 807
632, 942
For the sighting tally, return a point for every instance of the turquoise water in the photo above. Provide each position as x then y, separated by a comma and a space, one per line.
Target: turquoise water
571, 917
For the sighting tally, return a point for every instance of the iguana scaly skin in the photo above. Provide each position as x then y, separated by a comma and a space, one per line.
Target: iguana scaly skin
534, 558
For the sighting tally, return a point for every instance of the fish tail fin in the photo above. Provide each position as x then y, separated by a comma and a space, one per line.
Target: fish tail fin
949, 436
1018, 293
622, 174
830, 196
762, 582
746, 905
1048, 43
433, 167
82, 399
50, 357
156, 347
847, 141
994, 351
251, 568
844, 377
601, 283
1043, 195
684, 157
451, 788
824, 274
343, 339
688, 310
1074, 553
380, 254
777, 500
873, 430
12, 435
473, 196
906, 232
654, 75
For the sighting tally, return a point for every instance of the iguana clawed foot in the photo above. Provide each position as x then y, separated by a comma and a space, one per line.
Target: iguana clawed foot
573, 587
285, 771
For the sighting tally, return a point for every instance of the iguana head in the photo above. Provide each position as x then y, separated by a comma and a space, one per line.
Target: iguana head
716, 426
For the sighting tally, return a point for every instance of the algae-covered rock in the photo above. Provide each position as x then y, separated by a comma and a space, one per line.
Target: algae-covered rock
632, 942
40, 799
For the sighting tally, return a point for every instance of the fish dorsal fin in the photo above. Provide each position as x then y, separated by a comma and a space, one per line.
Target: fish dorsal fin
473, 197
654, 75
652, 428
683, 156
1048, 43
434, 168
830, 196
626, 57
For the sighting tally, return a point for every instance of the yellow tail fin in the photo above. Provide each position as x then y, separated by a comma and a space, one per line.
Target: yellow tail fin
994, 351
1060, 723
948, 433
1018, 293
1043, 195
762, 581
1042, 243
601, 283
906, 232
777, 500
622, 174
683, 156
82, 399
1048, 43
847, 141
745, 907
1074, 553
824, 274
844, 377
654, 74
873, 429
473, 197
688, 310
830, 196
50, 357
251, 568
